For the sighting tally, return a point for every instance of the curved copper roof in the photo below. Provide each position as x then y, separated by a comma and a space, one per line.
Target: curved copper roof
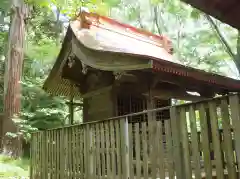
108, 45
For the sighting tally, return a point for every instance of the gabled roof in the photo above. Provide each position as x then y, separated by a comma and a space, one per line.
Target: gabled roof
227, 11
105, 44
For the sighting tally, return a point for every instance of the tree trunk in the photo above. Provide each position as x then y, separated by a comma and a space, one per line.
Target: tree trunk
12, 86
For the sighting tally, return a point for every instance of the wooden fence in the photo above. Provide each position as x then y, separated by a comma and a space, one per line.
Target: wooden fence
200, 140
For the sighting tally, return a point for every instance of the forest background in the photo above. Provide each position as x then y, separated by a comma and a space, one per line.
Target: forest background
199, 41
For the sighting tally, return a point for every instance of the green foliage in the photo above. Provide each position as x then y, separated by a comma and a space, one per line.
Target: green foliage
4, 6
195, 41
10, 167
39, 109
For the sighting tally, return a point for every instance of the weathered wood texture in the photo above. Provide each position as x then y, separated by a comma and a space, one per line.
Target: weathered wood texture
99, 105
199, 141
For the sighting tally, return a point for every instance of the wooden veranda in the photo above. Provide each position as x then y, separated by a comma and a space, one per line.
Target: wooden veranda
200, 140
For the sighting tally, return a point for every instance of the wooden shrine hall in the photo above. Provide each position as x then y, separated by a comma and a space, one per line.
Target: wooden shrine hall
117, 69
126, 78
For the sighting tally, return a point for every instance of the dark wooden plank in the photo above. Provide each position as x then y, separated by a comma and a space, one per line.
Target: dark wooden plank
118, 149
177, 152
185, 143
107, 130
113, 149
93, 149
145, 147
169, 148
124, 147
235, 115
86, 150
161, 157
103, 150
131, 167
82, 166
98, 153
228, 139
194, 142
137, 150
216, 142
153, 146
205, 141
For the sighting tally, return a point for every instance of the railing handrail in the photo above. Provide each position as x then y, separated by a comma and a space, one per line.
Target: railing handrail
122, 117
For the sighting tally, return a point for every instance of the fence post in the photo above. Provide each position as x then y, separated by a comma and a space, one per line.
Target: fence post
32, 164
177, 147
124, 142
90, 133
88, 158
45, 154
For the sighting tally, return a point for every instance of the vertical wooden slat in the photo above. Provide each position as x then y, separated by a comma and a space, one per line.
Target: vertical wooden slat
34, 155
41, 154
113, 149
118, 149
37, 156
235, 115
137, 151
130, 134
153, 146
86, 150
93, 149
185, 143
145, 152
169, 149
51, 151
194, 142
98, 153
54, 154
87, 143
66, 151
31, 156
62, 154
58, 152
82, 150
161, 157
74, 153
103, 150
107, 129
78, 152
124, 148
70, 157
216, 142
177, 153
227, 139
205, 142
47, 154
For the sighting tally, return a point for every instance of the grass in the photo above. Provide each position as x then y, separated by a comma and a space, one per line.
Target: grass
11, 168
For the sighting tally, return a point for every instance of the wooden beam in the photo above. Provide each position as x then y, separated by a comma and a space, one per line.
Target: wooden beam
96, 92
167, 94
74, 104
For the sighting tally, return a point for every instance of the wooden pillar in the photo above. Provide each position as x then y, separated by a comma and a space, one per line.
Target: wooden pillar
150, 105
71, 106
124, 142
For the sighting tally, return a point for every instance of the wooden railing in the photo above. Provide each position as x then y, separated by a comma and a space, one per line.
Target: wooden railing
118, 148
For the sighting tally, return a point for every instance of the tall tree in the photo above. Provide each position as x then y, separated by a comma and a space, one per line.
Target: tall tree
13, 72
